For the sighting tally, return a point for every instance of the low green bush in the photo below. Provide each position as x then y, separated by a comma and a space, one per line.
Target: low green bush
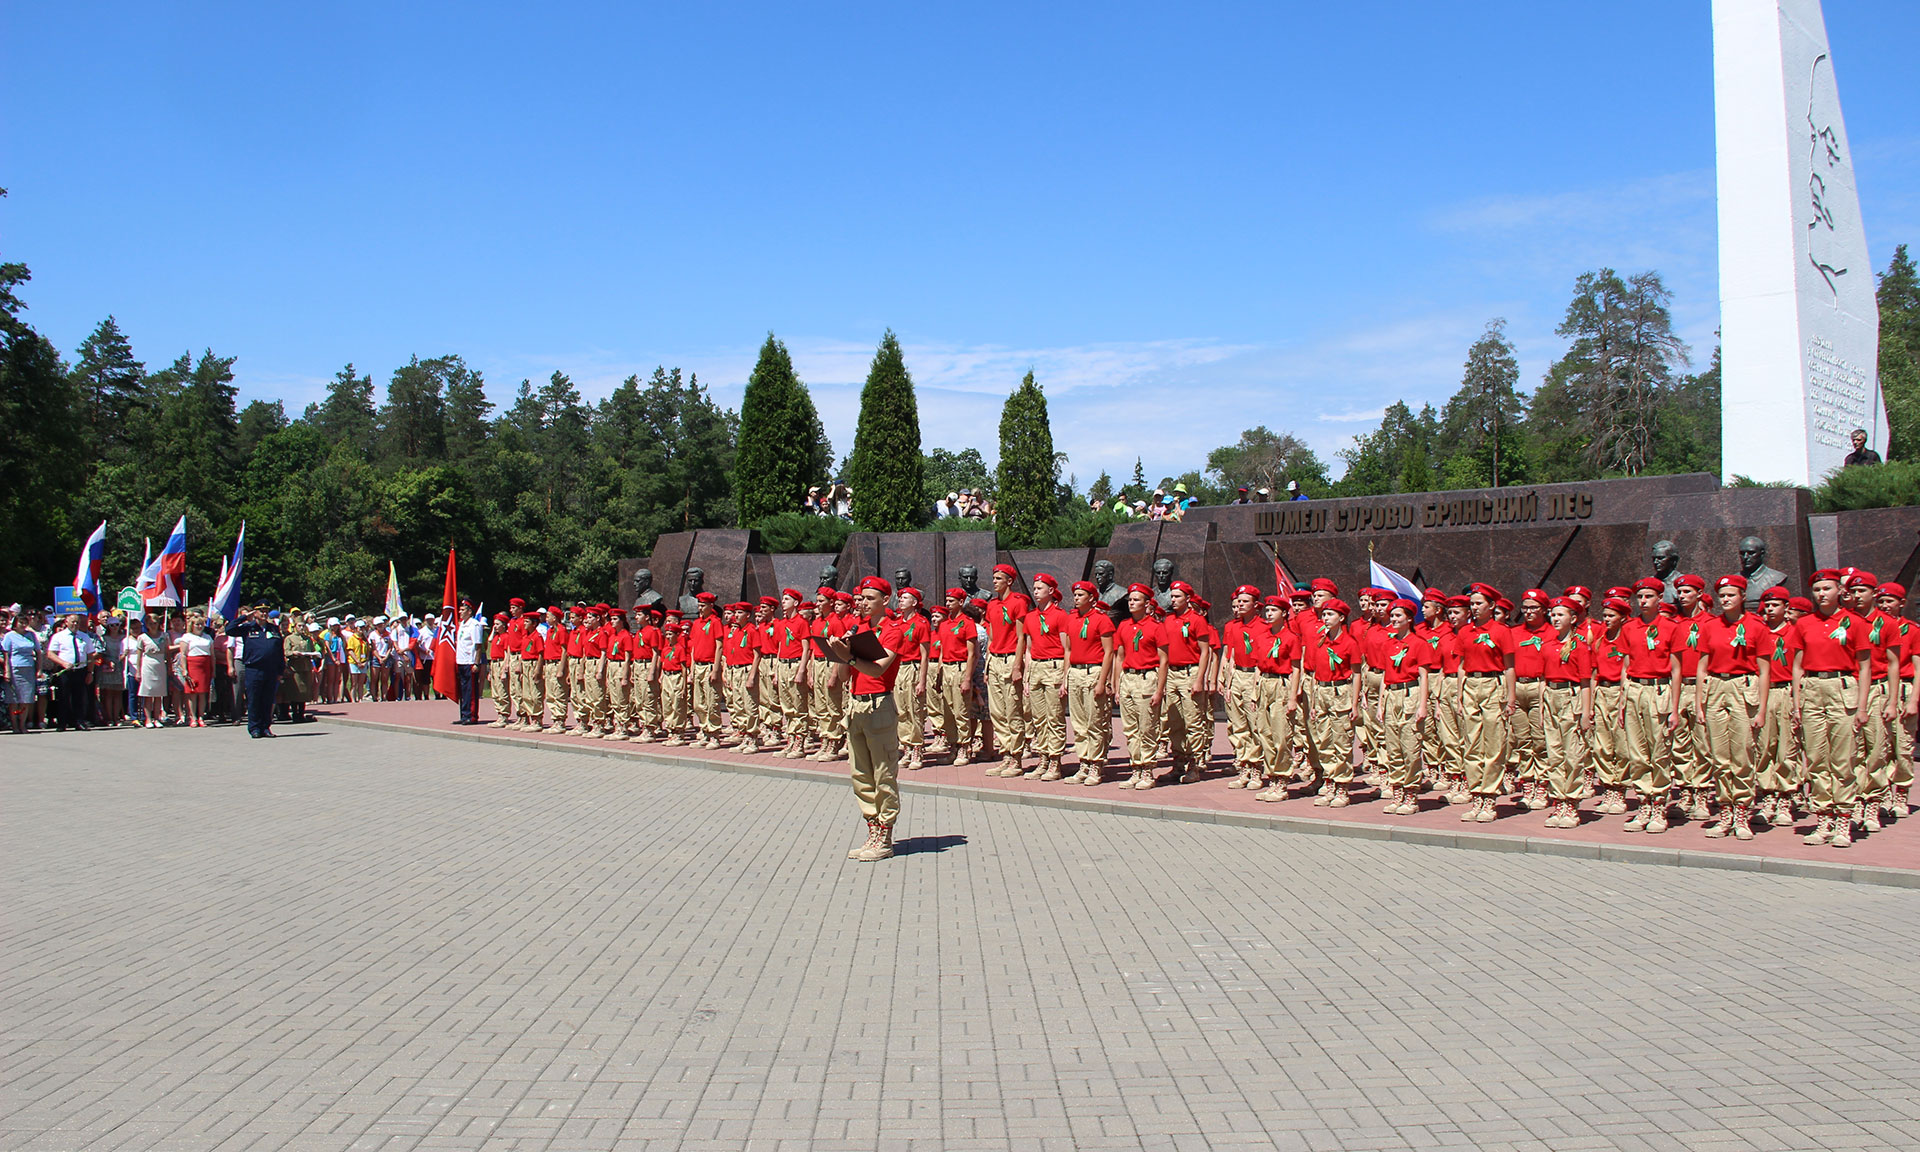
1893, 485
801, 532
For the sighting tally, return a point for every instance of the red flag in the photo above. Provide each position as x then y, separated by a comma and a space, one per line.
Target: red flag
1281, 576
446, 679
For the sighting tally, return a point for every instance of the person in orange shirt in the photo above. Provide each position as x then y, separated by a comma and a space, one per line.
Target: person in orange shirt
1044, 678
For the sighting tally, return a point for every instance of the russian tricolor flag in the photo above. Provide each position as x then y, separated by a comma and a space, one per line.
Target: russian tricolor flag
86, 580
226, 598
170, 574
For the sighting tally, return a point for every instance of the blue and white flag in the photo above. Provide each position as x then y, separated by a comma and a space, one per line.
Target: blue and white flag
1385, 577
226, 598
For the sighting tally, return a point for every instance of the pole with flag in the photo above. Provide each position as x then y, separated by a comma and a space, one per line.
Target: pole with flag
446, 676
169, 587
226, 597
143, 580
86, 578
393, 609
1385, 577
1281, 577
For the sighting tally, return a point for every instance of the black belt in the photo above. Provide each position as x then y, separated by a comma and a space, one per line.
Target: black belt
788, 659
1172, 667
1828, 675
1088, 663
1731, 675
873, 695
1880, 679
1482, 675
1648, 679
1139, 671
1527, 679
1563, 684
1342, 680
1408, 686
955, 663
1273, 675
1045, 659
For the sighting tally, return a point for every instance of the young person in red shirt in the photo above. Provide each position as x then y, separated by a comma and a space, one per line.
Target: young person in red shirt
1090, 676
590, 673
957, 645
1832, 670
500, 672
1444, 702
1403, 660
1279, 662
1332, 659
1043, 678
1652, 709
676, 680
1143, 684
1607, 741
1903, 702
554, 650
1729, 701
1006, 653
1431, 625
873, 719
1241, 641
740, 652
1876, 747
830, 679
1184, 633
1777, 760
705, 675
649, 665
1565, 711
1484, 693
910, 686
1526, 743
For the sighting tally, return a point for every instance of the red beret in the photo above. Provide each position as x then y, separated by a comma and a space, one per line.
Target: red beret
1618, 604
1649, 584
956, 593
844, 597
1300, 594
1619, 591
1852, 574
1275, 601
516, 602
1047, 578
1085, 586
1777, 592
1435, 594
1896, 591
1689, 580
1800, 602
1668, 610
1379, 593
1336, 605
1322, 584
1459, 602
1580, 590
1567, 602
706, 597
910, 590
1010, 570
1181, 586
1505, 604
1202, 603
1861, 580
793, 592
1247, 590
823, 590
1739, 582
552, 611
1140, 588
1482, 589
1402, 602
1832, 574
673, 615
877, 583
1537, 595
773, 600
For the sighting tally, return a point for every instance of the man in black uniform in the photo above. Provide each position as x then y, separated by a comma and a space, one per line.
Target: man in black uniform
262, 659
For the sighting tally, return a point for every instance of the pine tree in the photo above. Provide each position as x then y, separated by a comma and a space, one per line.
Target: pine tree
885, 469
1025, 498
1480, 426
1899, 298
111, 383
346, 416
40, 414
780, 451
413, 424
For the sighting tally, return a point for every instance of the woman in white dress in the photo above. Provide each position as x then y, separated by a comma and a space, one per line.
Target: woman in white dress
150, 657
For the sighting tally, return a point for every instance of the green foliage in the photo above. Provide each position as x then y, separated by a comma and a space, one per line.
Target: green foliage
1899, 298
884, 469
1266, 459
1101, 489
346, 415
40, 440
1892, 485
112, 386
804, 532
1025, 497
1393, 457
782, 448
1080, 528
945, 472
1477, 431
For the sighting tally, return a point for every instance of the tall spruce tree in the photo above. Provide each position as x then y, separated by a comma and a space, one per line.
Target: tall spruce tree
885, 470
1899, 299
1027, 494
346, 416
111, 383
782, 445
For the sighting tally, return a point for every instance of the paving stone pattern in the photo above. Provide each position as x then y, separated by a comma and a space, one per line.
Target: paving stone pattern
353, 939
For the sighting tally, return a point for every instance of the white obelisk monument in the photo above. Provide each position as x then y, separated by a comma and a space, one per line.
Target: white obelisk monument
1799, 329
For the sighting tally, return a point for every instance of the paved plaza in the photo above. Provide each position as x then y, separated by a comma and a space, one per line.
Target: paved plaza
358, 939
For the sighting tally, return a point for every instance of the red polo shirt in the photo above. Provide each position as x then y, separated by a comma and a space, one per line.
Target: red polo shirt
1244, 640
1529, 649
1003, 623
593, 642
1568, 661
1649, 647
1046, 628
1084, 633
675, 652
1485, 647
1832, 643
890, 630
1609, 656
911, 635
1734, 649
1398, 659
1280, 651
1689, 643
1181, 633
953, 635
1139, 643
557, 642
741, 644
1334, 658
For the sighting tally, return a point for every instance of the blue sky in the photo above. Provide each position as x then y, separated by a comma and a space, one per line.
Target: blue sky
1186, 219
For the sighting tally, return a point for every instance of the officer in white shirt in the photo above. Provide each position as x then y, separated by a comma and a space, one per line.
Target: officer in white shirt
71, 651
469, 655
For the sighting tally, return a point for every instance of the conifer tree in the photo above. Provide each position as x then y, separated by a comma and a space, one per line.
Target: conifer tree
1027, 494
781, 444
886, 470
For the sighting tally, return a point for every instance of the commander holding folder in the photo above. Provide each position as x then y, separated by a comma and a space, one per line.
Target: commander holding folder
873, 724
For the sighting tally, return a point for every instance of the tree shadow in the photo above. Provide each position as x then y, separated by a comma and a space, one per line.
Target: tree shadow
914, 845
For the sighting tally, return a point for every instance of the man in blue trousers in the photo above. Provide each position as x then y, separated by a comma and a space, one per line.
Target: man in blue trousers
262, 659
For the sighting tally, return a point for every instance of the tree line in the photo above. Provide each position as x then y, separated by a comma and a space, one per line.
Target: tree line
543, 496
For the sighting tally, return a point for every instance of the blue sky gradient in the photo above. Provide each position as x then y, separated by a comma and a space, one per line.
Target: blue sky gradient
1186, 219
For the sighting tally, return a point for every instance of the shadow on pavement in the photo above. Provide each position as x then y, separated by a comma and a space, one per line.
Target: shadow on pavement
914, 845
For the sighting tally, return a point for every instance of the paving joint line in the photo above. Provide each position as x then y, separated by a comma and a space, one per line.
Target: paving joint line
1279, 822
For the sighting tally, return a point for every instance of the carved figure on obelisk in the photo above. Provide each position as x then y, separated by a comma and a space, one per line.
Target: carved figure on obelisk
1753, 565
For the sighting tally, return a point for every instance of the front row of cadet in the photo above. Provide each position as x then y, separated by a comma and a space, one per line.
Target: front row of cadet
1803, 708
